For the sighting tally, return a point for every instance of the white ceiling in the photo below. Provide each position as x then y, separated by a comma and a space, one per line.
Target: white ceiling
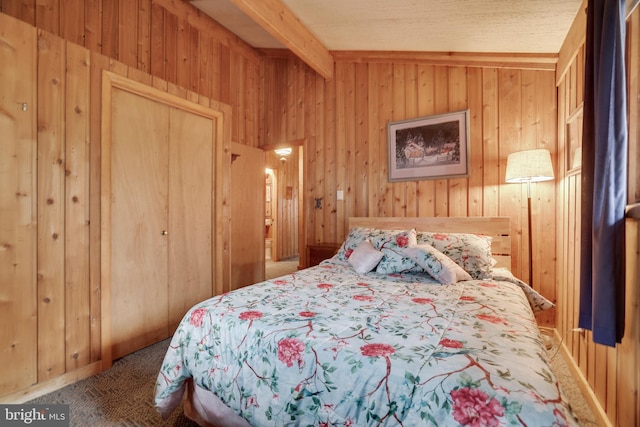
509, 26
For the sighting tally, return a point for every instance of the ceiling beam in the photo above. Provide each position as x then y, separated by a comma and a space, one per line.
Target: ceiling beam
281, 23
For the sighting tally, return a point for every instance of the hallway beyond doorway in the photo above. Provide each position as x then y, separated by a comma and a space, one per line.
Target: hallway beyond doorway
277, 269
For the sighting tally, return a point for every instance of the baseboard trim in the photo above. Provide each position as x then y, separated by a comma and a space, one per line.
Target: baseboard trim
40, 389
581, 381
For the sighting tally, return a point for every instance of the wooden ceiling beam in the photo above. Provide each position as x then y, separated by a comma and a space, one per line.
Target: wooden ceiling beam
276, 18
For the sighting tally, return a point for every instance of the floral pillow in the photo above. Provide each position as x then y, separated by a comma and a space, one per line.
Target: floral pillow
437, 264
470, 251
391, 243
356, 236
365, 257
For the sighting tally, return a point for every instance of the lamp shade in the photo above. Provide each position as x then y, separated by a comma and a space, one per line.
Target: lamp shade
529, 166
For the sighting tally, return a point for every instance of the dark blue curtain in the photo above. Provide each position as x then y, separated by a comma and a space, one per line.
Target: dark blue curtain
604, 173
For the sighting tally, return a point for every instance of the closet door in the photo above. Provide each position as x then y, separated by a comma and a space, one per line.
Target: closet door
190, 211
139, 222
162, 239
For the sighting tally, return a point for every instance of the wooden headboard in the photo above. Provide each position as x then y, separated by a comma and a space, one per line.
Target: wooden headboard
498, 228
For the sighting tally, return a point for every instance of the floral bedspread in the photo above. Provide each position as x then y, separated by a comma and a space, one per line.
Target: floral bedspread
329, 347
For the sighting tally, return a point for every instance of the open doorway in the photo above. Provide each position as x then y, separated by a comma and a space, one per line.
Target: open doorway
283, 210
270, 222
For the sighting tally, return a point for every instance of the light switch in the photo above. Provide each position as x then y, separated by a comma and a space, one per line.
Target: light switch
340, 195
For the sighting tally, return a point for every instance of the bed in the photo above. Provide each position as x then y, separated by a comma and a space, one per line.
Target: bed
416, 321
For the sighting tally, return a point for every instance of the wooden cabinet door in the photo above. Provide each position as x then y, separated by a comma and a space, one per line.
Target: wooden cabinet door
191, 142
139, 222
247, 215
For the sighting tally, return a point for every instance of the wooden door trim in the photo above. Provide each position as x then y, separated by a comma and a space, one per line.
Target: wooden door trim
291, 143
220, 113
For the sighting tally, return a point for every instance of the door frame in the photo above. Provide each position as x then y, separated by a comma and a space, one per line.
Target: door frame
220, 113
302, 236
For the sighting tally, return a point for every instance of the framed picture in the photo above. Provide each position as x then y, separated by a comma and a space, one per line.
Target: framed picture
432, 147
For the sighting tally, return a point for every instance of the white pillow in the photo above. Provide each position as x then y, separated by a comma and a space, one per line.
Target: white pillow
437, 264
365, 257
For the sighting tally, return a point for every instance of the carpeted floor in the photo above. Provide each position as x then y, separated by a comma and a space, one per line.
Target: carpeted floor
123, 395
280, 268
572, 391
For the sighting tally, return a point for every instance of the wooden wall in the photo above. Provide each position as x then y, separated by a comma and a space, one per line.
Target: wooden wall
168, 39
345, 121
610, 377
18, 198
66, 135
512, 102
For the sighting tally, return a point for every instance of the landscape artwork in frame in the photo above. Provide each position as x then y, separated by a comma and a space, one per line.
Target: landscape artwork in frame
432, 147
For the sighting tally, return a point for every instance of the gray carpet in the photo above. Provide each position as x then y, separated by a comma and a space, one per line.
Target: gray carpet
120, 396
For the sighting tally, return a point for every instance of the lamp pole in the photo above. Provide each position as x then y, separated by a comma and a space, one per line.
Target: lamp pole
530, 233
529, 166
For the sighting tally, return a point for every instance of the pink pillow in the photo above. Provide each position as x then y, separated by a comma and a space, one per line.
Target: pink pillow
365, 257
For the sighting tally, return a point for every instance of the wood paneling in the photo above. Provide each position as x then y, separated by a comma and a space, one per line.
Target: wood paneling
345, 122
610, 377
60, 296
77, 320
169, 39
176, 44
18, 203
454, 59
51, 207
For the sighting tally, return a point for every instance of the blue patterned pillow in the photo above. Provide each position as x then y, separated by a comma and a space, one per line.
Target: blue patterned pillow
470, 251
391, 243
438, 265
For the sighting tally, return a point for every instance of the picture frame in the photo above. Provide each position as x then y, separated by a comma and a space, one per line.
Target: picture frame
430, 147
